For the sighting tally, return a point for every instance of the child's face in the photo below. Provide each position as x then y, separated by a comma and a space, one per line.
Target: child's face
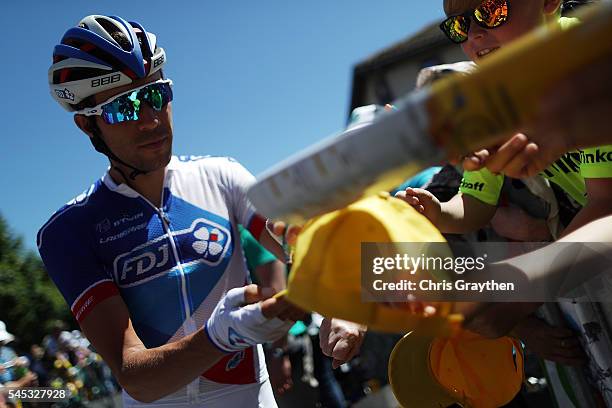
524, 15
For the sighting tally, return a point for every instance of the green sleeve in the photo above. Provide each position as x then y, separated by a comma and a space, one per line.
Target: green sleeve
596, 162
255, 254
483, 185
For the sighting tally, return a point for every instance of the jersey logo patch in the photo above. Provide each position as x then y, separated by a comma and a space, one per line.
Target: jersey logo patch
597, 156
235, 360
203, 242
472, 186
236, 339
209, 243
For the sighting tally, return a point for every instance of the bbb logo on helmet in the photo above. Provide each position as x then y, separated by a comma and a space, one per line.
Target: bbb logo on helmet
105, 80
158, 61
203, 242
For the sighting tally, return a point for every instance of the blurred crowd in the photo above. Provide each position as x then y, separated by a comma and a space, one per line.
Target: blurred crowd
64, 360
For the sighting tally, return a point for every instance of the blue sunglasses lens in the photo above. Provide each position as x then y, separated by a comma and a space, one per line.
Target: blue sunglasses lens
127, 107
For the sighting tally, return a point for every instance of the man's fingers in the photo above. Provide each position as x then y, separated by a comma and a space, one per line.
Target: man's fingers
418, 196
414, 201
283, 388
272, 307
337, 363
278, 228
290, 231
418, 192
537, 160
344, 351
508, 151
516, 166
476, 160
471, 163
281, 308
328, 343
326, 347
411, 197
340, 353
292, 313
254, 293
401, 195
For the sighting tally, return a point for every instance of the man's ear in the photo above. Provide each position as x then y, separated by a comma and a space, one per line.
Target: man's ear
83, 123
551, 6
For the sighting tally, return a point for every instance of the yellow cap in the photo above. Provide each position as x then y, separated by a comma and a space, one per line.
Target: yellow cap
466, 369
326, 272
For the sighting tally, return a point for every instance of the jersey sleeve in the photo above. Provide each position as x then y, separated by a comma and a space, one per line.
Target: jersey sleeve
483, 185
239, 180
255, 254
596, 162
71, 263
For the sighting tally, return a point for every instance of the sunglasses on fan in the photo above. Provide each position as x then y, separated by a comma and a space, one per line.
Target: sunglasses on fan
489, 14
126, 106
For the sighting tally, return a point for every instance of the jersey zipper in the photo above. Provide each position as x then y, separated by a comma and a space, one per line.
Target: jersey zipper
190, 327
165, 221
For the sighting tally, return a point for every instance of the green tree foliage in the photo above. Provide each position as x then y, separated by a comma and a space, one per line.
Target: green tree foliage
29, 301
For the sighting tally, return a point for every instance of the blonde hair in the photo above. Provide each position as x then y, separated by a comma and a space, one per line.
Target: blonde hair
455, 7
429, 75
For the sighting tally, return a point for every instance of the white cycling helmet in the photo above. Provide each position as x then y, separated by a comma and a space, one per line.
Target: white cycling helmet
101, 53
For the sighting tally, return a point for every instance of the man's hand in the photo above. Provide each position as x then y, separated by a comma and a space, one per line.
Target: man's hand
340, 339
551, 343
423, 201
570, 117
496, 319
279, 368
289, 231
518, 157
238, 322
281, 308
476, 160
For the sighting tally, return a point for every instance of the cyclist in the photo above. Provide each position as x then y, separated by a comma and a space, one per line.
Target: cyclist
149, 256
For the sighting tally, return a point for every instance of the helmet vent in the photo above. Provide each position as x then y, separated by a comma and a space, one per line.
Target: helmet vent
116, 33
75, 74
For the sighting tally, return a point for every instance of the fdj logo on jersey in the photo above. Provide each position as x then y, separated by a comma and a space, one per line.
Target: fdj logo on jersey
203, 242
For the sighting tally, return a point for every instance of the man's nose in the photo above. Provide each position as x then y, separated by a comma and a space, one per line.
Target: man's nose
475, 32
148, 119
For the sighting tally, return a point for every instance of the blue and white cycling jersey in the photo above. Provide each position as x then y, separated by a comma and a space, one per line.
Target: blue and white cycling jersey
170, 265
